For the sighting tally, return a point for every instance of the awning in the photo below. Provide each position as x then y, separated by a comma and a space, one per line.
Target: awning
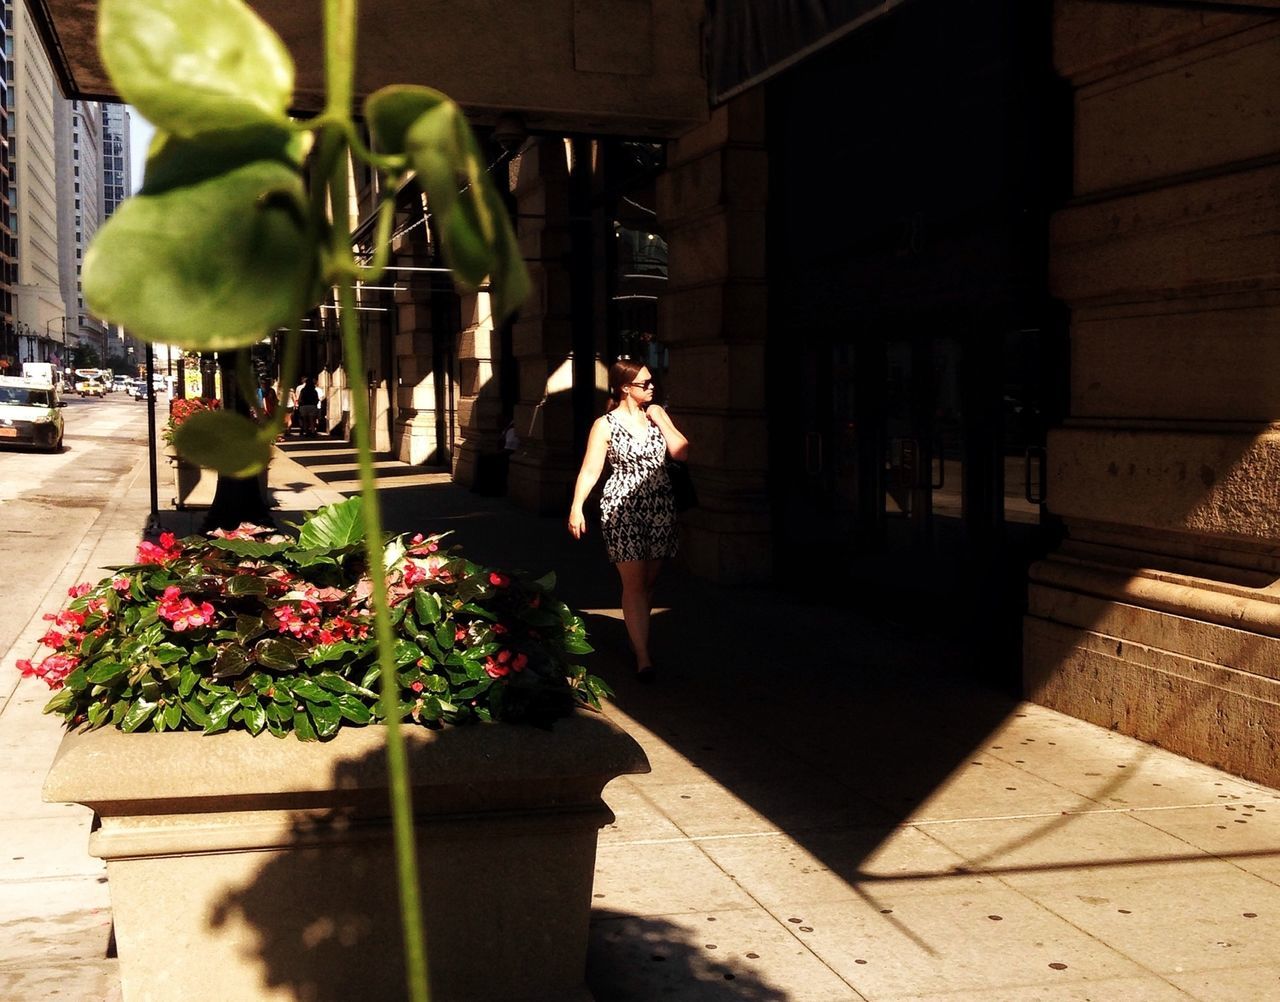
620, 67
751, 40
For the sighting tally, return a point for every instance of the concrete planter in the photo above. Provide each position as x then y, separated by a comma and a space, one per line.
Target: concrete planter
259, 868
193, 486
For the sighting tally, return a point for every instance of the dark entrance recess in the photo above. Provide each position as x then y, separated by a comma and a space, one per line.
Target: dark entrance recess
917, 357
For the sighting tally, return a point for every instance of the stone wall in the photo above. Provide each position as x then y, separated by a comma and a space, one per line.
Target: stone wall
1158, 615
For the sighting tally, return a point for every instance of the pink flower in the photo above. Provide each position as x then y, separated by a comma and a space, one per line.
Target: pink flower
97, 606
76, 591
499, 580
54, 669
120, 584
151, 553
181, 613
416, 686
413, 574
459, 634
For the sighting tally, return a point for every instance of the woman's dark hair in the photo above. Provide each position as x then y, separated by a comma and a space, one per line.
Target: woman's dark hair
622, 372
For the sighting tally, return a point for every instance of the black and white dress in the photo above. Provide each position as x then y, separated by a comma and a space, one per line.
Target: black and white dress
638, 508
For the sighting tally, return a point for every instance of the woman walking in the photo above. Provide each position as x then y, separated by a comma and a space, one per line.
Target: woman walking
638, 511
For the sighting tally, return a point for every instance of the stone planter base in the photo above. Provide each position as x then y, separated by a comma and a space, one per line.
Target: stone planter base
262, 869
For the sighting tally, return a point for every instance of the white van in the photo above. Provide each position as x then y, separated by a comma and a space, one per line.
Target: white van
30, 413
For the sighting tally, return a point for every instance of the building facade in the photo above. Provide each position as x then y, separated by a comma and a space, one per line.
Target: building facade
9, 353
81, 197
33, 195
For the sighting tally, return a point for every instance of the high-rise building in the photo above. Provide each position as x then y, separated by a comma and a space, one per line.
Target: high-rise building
80, 211
117, 184
8, 261
33, 197
116, 174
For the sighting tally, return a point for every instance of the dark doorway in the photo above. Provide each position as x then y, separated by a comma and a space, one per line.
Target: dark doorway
917, 357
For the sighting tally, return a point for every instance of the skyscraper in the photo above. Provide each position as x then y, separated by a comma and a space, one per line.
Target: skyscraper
116, 187
80, 210
9, 359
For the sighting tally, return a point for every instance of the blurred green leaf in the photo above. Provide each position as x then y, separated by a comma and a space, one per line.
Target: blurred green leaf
193, 66
210, 266
224, 441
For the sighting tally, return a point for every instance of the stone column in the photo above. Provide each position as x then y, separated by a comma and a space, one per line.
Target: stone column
711, 207
479, 403
418, 412
545, 466
1158, 615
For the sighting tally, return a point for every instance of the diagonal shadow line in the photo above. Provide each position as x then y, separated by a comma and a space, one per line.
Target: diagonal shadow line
1064, 867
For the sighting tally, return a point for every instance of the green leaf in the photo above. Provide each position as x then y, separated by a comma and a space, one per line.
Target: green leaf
352, 709
246, 584
105, 671
174, 161
168, 653
98, 714
172, 716
334, 682
249, 547
475, 229
61, 701
249, 627
255, 718
547, 582
303, 727
407, 652
333, 527
427, 605
276, 654
192, 66
195, 713
445, 634
436, 683
372, 675
138, 714
220, 714
576, 644
327, 718
308, 690
224, 441
322, 653
311, 558
390, 112
233, 660
209, 266
187, 681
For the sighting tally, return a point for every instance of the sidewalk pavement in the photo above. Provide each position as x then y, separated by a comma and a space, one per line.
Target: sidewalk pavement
834, 811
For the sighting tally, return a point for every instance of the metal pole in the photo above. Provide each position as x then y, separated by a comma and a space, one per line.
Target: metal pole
153, 522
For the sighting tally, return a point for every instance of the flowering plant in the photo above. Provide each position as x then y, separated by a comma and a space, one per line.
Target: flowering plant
263, 632
181, 410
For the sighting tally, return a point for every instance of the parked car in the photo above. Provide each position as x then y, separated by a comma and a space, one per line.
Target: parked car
30, 413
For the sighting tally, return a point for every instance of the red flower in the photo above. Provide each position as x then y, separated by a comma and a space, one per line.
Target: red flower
54, 669
181, 613
151, 553
519, 662
76, 591
499, 629
459, 634
53, 639
494, 669
415, 686
97, 606
498, 580
413, 574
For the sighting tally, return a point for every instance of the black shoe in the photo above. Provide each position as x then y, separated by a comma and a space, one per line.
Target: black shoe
648, 674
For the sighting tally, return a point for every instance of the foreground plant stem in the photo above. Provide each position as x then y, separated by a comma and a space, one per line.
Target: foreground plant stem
340, 35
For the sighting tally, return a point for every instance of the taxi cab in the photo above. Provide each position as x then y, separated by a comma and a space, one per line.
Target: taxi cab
30, 413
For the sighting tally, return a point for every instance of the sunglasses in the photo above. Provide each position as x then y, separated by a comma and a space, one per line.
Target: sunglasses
646, 384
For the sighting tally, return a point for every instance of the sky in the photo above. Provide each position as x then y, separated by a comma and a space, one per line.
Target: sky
140, 133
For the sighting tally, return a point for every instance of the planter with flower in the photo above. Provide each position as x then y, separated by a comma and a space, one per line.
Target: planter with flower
179, 673
243, 866
193, 485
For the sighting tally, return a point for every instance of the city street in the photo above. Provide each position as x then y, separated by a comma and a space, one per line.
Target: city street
53, 895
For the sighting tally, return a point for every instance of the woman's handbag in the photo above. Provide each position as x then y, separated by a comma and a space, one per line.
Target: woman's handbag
681, 485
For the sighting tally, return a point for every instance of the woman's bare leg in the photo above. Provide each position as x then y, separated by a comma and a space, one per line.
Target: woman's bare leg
636, 603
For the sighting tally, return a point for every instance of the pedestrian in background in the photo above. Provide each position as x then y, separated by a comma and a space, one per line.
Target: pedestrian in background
309, 406
637, 509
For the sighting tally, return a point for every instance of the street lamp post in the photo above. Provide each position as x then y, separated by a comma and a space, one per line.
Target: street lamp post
62, 357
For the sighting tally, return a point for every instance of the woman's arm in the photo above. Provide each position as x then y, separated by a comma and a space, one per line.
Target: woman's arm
677, 444
592, 465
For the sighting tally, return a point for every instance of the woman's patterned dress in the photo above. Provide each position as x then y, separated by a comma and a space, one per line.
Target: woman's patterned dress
638, 508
